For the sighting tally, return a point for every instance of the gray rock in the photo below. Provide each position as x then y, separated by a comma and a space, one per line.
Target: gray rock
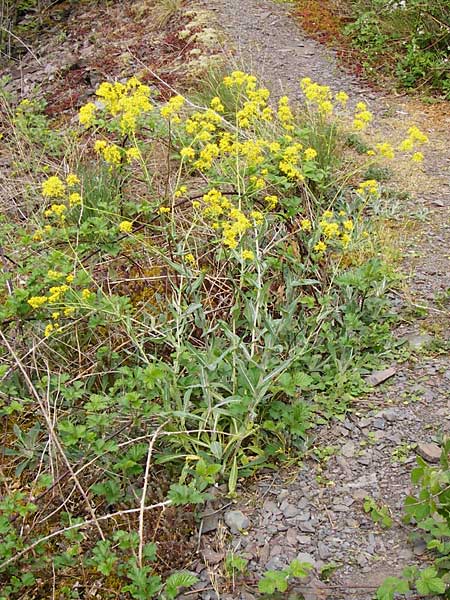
275, 563
271, 507
324, 551
417, 340
236, 521
305, 557
290, 511
378, 377
307, 527
429, 451
392, 415
348, 449
379, 423
210, 522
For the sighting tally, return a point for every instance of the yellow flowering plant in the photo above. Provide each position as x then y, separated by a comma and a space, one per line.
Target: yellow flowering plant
205, 281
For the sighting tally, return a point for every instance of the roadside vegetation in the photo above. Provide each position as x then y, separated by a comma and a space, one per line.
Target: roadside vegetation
190, 288
406, 41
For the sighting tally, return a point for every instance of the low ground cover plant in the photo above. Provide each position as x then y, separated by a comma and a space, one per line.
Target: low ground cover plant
408, 39
185, 297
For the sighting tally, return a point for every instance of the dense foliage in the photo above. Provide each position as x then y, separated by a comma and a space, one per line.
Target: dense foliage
409, 39
184, 298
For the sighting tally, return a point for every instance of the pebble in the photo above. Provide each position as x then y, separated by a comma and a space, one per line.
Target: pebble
348, 449
236, 521
429, 451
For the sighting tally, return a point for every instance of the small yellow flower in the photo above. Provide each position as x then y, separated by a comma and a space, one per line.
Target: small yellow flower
126, 227
70, 278
68, 311
86, 294
72, 180
100, 145
257, 217
342, 98
371, 152
188, 153
53, 188
310, 154
386, 150
320, 246
55, 315
164, 210
348, 225
217, 105
345, 239
247, 255
74, 198
190, 258
305, 224
132, 154
417, 157
37, 301
271, 202
181, 191
86, 116
49, 329
52, 274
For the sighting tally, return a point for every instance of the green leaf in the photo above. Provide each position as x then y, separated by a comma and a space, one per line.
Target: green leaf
390, 587
178, 580
273, 581
183, 494
429, 582
299, 569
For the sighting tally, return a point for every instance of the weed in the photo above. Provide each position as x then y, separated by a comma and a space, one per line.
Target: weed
189, 300
429, 511
378, 513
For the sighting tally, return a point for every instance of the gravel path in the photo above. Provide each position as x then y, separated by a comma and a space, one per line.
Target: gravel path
293, 515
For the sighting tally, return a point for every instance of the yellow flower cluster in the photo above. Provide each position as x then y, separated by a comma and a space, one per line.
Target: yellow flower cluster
57, 210
255, 107
317, 95
285, 115
362, 117
54, 187
86, 114
129, 100
334, 230
288, 164
386, 150
342, 98
415, 138
271, 202
234, 228
225, 216
171, 109
125, 227
370, 186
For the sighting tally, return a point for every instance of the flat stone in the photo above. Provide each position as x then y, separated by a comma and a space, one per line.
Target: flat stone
429, 451
212, 557
379, 423
305, 557
378, 377
324, 551
210, 522
236, 521
307, 527
417, 340
271, 507
348, 449
290, 511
